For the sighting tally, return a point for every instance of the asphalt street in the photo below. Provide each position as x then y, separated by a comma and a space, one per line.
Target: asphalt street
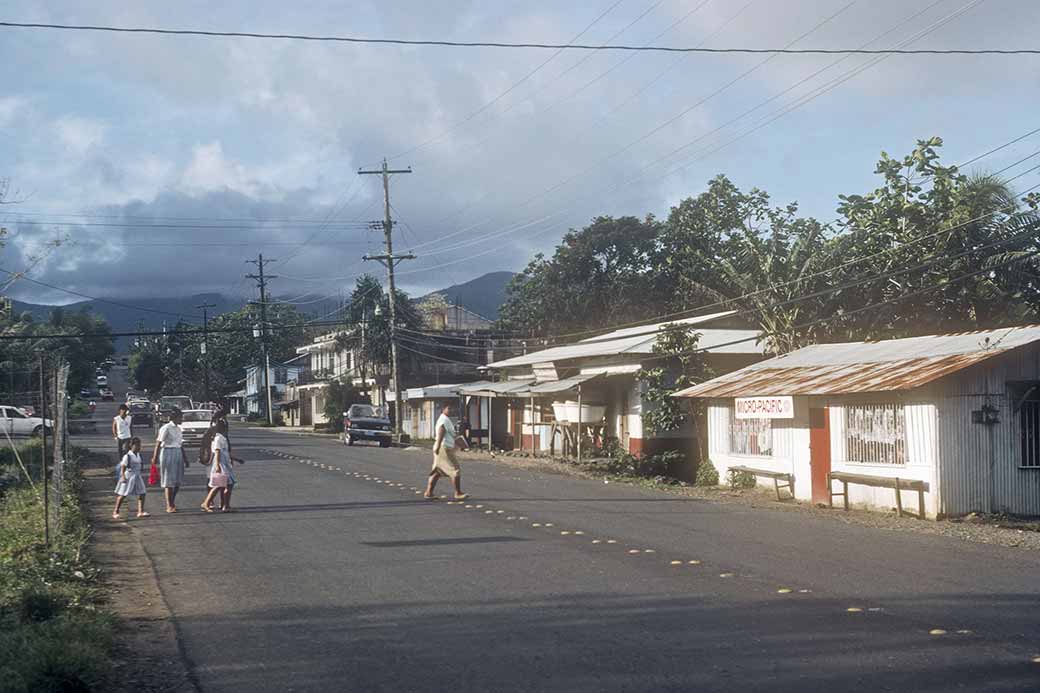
334, 574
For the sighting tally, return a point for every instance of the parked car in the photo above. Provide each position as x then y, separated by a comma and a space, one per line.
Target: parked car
169, 402
195, 425
107, 395
141, 413
17, 422
85, 393
366, 422
102, 381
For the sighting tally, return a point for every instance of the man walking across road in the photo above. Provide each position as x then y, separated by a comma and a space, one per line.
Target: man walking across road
445, 462
121, 431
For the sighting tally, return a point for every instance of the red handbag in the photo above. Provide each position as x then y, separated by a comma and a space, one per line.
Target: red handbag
153, 475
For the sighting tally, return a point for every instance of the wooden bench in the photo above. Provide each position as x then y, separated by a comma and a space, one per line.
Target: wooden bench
777, 477
880, 482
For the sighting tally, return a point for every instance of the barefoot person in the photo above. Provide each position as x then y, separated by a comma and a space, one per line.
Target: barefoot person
121, 430
169, 452
130, 481
445, 463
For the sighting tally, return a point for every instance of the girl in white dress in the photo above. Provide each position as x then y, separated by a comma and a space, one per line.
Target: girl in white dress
221, 462
130, 481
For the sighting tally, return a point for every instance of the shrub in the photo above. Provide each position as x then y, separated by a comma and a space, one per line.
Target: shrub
741, 479
35, 605
707, 475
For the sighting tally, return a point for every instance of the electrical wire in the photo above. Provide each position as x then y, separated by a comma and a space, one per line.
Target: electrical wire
521, 45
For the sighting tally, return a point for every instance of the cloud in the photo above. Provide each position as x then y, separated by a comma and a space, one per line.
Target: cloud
78, 134
148, 129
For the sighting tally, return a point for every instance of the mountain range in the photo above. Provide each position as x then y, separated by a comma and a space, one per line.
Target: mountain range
482, 295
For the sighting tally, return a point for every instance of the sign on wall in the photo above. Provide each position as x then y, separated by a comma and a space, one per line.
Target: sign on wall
781, 407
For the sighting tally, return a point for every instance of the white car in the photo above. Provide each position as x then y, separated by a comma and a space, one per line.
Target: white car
194, 424
17, 423
102, 380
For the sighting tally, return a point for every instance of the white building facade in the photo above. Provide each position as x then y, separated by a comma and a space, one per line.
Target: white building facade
958, 412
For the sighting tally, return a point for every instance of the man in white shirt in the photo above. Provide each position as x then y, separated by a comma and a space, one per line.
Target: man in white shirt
445, 462
121, 431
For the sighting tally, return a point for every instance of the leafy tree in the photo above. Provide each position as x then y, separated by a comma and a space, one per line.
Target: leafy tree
601, 275
927, 213
676, 365
146, 368
339, 396
368, 318
232, 346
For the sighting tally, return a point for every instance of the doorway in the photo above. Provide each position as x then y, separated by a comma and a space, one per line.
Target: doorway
820, 454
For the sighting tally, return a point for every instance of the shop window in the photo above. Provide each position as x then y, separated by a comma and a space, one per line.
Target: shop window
750, 436
1029, 433
875, 434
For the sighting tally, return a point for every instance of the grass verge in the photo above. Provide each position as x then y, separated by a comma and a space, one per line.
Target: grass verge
54, 634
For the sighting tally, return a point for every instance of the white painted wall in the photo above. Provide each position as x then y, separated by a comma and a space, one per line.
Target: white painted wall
791, 450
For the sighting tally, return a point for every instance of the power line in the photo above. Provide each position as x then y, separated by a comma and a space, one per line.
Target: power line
523, 45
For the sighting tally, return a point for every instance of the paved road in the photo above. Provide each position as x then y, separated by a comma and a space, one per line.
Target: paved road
334, 575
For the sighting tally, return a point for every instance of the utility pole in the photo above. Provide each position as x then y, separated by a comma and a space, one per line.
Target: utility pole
204, 348
390, 261
43, 448
262, 280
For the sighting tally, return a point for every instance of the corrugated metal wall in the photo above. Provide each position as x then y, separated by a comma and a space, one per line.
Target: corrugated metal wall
980, 465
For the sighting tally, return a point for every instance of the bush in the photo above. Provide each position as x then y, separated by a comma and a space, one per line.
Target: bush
707, 475
69, 653
78, 409
36, 605
741, 479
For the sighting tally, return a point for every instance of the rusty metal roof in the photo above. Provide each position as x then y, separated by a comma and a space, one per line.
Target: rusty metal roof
895, 364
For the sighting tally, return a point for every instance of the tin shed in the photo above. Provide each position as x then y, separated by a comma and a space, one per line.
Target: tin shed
959, 412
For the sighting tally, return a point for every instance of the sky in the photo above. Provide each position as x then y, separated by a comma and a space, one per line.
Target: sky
144, 165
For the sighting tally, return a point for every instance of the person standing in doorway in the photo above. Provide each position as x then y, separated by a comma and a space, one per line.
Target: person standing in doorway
121, 431
445, 461
169, 452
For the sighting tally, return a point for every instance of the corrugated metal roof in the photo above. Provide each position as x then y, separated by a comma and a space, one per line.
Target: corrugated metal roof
894, 364
505, 388
641, 340
555, 386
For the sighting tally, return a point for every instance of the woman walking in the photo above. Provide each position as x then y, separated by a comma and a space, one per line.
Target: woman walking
121, 431
169, 453
445, 463
130, 481
221, 471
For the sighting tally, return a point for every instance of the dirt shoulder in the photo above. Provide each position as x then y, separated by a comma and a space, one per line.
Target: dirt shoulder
148, 655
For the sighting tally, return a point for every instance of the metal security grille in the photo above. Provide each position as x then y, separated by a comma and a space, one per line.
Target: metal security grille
875, 434
1029, 432
750, 436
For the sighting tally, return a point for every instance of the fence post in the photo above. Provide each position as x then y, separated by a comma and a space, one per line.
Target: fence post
43, 449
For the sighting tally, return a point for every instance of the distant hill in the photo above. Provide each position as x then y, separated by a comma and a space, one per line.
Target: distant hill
127, 319
483, 295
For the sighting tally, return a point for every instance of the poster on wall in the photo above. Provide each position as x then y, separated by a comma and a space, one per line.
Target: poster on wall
781, 407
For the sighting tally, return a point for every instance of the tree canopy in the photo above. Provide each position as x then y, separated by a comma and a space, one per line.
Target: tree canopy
930, 249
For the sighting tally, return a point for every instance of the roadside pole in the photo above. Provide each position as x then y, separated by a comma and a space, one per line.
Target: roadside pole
43, 434
204, 348
391, 260
262, 284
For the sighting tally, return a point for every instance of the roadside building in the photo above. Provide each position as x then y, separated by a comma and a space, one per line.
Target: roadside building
256, 398
957, 416
534, 405
422, 406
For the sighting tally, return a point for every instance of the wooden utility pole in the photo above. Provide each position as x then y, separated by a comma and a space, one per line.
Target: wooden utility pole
390, 261
261, 282
204, 348
43, 448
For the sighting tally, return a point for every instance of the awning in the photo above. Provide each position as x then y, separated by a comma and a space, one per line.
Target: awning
556, 386
506, 388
